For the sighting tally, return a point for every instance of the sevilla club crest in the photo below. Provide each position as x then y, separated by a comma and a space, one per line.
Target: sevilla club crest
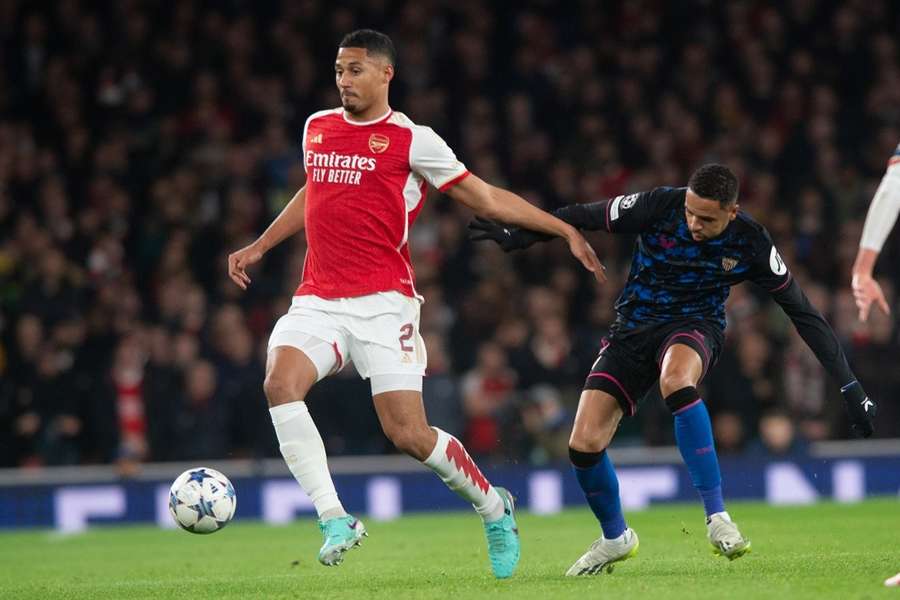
378, 143
729, 263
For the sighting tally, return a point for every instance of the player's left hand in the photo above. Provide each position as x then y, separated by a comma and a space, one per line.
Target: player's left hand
865, 291
860, 408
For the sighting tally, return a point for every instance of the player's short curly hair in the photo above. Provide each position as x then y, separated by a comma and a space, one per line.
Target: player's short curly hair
373, 41
715, 182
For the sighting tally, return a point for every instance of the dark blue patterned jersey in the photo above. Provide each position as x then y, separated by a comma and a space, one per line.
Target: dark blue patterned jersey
673, 277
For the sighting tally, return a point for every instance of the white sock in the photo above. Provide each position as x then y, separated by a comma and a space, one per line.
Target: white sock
303, 451
724, 514
456, 468
623, 537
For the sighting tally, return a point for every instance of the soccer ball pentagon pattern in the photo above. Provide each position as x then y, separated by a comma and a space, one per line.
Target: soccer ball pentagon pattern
202, 500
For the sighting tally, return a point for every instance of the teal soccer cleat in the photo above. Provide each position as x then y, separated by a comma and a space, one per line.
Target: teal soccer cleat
503, 538
341, 534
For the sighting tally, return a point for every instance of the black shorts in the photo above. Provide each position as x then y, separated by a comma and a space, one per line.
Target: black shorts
630, 360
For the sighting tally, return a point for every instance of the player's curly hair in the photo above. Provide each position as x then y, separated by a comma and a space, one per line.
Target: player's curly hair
715, 182
373, 41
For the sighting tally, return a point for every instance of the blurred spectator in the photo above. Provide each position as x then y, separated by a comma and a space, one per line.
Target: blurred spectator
487, 393
778, 436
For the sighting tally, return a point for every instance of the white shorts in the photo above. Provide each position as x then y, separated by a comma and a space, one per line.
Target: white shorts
379, 333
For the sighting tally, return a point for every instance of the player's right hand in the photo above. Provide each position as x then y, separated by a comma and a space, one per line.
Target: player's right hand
865, 291
239, 261
583, 251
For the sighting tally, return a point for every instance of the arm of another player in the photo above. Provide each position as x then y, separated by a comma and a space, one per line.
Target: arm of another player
633, 213
501, 205
772, 274
880, 220
289, 221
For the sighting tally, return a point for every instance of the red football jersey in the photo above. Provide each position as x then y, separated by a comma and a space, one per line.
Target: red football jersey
365, 183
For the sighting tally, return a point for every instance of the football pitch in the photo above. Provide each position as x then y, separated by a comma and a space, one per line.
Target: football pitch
821, 551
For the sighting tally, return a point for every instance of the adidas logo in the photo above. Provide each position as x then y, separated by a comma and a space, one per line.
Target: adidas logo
316, 139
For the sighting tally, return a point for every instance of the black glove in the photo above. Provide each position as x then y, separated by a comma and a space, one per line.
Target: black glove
860, 409
509, 238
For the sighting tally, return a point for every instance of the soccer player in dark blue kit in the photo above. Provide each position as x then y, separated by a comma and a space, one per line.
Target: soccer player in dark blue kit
693, 244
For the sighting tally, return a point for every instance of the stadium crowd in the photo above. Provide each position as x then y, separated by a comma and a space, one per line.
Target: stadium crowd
140, 142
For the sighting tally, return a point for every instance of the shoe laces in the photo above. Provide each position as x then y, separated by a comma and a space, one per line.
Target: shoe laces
496, 535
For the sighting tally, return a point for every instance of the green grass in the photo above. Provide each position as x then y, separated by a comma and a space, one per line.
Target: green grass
823, 551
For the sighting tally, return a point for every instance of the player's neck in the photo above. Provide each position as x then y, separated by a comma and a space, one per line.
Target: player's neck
373, 114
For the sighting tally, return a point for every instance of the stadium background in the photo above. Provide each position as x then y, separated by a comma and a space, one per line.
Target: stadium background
140, 142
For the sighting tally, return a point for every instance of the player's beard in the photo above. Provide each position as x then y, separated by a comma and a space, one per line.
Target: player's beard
351, 104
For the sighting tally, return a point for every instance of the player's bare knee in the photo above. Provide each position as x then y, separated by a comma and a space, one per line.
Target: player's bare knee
281, 390
593, 442
672, 381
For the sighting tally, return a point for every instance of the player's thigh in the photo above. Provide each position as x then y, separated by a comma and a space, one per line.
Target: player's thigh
306, 345
686, 356
596, 421
385, 344
681, 368
290, 373
622, 373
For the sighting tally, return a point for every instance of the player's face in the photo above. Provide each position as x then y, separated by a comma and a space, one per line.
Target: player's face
707, 218
362, 79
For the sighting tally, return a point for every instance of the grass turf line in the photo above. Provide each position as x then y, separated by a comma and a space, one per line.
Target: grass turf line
823, 551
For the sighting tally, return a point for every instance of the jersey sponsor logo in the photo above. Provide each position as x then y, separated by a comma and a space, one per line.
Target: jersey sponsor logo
331, 167
775, 263
334, 160
729, 263
316, 139
378, 143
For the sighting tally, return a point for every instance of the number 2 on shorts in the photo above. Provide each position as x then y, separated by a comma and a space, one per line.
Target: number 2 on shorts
406, 333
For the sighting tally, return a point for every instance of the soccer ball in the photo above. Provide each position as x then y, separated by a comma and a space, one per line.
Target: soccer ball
202, 500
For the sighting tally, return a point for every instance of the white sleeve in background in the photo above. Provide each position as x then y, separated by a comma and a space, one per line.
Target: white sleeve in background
884, 208
432, 158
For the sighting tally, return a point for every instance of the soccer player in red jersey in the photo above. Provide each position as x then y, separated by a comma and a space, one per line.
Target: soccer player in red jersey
367, 169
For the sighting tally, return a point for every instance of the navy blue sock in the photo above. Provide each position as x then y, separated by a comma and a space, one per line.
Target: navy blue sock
693, 432
597, 477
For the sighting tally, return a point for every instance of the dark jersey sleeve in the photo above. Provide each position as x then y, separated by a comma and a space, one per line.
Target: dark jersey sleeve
623, 214
771, 273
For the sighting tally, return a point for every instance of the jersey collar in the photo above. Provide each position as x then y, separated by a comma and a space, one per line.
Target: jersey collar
364, 123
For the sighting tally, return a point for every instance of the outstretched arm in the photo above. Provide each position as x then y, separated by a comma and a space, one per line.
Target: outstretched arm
771, 273
623, 214
289, 221
495, 203
880, 220
821, 339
